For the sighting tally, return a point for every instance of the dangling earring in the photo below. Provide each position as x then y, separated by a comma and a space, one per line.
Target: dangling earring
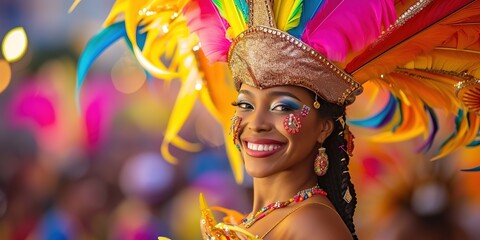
320, 165
292, 123
316, 104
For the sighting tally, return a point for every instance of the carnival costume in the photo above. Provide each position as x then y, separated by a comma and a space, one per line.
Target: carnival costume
428, 58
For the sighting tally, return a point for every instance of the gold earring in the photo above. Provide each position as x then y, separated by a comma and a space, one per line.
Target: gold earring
320, 165
316, 104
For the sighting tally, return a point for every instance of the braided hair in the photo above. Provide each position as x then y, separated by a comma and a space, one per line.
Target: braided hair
337, 182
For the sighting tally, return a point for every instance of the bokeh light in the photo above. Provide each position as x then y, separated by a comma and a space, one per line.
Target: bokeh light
15, 44
146, 176
5, 75
36, 108
128, 76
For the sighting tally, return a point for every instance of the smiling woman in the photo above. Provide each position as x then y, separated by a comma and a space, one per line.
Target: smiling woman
280, 138
268, 144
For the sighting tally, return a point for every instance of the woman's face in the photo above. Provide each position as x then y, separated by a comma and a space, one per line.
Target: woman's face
266, 146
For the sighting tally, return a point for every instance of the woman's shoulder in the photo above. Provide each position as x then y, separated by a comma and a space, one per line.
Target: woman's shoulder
316, 219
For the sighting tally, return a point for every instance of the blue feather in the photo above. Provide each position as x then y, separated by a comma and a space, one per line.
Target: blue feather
400, 113
141, 38
458, 119
96, 46
475, 169
243, 6
309, 9
428, 144
381, 118
474, 143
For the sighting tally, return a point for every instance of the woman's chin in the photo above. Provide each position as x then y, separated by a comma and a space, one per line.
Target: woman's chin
257, 170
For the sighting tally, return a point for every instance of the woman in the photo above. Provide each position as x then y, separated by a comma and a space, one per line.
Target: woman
291, 131
292, 64
280, 158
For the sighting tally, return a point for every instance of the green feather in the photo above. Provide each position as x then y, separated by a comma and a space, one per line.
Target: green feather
287, 13
294, 18
234, 12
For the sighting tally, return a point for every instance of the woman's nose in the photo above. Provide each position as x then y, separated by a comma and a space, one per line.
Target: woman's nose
260, 121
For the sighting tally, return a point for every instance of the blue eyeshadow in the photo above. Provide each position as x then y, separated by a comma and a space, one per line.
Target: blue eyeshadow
290, 103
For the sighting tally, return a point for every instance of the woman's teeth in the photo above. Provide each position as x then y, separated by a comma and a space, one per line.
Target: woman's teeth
262, 147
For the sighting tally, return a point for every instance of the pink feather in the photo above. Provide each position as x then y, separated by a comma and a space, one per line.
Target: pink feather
204, 19
342, 27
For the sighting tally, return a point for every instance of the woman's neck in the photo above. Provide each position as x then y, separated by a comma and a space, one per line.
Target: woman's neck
279, 187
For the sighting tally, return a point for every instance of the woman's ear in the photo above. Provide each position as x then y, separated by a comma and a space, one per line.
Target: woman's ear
326, 127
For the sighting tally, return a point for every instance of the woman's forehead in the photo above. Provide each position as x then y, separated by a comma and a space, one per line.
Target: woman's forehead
277, 91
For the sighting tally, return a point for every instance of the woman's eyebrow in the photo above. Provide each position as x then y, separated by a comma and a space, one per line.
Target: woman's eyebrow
246, 92
282, 93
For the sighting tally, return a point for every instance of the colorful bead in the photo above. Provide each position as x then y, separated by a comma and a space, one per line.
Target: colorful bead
305, 111
299, 197
292, 122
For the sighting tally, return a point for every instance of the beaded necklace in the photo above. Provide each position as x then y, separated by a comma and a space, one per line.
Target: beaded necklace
299, 197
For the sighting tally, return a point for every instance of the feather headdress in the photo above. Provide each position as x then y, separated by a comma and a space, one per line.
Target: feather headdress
428, 57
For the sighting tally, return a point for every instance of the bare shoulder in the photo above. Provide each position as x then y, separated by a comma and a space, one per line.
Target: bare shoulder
314, 220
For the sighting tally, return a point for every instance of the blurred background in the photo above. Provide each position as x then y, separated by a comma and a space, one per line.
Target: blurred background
98, 173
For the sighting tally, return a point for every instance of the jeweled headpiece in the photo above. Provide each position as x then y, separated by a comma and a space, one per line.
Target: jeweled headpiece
264, 56
428, 57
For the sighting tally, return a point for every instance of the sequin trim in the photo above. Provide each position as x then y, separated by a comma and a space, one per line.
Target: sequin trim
402, 19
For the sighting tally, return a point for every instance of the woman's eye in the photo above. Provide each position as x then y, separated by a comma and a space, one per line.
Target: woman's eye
282, 108
243, 105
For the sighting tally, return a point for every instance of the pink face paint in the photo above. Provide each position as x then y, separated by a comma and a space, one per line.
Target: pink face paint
292, 123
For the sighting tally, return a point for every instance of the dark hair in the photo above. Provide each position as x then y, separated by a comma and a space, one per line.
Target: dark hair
336, 182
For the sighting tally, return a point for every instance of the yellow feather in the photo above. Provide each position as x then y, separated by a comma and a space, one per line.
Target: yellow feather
211, 224
181, 110
206, 212
413, 125
217, 96
449, 59
434, 90
73, 6
466, 133
453, 143
232, 216
234, 156
224, 116
118, 8
233, 15
284, 11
